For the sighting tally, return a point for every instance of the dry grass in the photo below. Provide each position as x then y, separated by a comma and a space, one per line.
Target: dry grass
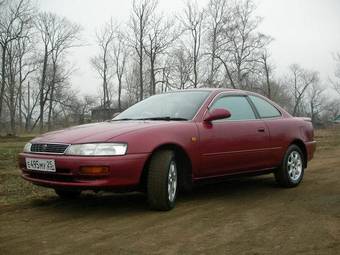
328, 138
13, 189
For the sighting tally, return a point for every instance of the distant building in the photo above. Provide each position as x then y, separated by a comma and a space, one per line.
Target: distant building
101, 114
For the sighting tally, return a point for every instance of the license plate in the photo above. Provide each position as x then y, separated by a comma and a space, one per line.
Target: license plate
46, 165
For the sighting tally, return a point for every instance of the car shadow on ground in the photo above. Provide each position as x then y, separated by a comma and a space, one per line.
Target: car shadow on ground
230, 190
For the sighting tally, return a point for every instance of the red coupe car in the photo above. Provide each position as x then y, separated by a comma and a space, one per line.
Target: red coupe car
169, 142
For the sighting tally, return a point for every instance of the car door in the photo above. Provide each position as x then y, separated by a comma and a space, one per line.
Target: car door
276, 125
236, 144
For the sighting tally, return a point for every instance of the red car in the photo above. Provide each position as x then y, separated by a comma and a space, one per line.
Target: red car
170, 141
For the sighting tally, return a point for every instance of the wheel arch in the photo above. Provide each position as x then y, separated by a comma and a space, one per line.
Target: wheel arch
183, 159
302, 146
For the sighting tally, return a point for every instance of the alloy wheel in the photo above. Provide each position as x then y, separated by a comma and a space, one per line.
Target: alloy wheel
294, 165
172, 181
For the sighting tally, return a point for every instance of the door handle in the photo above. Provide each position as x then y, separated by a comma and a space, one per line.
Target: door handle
262, 130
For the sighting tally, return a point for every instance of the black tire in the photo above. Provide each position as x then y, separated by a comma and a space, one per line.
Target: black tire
284, 177
67, 194
158, 178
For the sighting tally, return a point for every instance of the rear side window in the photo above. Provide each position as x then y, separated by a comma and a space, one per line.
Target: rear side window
264, 108
238, 106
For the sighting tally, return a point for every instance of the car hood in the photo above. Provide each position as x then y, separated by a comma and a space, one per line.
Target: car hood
96, 132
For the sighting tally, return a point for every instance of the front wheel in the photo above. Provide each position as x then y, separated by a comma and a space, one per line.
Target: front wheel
291, 171
162, 186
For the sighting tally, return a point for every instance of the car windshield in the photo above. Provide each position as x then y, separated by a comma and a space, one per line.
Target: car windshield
169, 106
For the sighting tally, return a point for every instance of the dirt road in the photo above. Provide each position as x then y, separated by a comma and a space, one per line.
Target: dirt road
246, 216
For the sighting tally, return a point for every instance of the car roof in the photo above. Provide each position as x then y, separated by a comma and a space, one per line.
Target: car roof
211, 90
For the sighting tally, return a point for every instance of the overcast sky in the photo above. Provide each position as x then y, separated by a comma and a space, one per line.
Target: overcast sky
306, 32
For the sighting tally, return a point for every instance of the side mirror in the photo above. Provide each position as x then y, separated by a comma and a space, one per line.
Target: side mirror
217, 114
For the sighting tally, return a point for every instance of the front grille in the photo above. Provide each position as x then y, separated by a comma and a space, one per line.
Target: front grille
49, 148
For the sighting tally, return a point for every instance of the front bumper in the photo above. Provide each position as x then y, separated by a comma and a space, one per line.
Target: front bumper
125, 171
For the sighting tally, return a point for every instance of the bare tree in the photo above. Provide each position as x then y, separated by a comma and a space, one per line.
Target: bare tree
160, 37
15, 17
80, 108
331, 109
64, 36
103, 61
192, 21
166, 75
30, 101
241, 44
44, 24
131, 81
10, 98
336, 82
27, 65
57, 36
281, 93
219, 44
140, 19
181, 68
120, 55
217, 14
267, 70
19, 67
300, 80
316, 101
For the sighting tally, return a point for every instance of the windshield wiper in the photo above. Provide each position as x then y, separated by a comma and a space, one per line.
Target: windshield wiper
122, 119
166, 118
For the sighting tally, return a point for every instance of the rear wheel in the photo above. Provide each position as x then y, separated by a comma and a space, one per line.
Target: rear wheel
67, 194
291, 172
162, 183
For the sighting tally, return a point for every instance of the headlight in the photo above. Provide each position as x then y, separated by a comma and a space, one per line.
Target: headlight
27, 147
97, 149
